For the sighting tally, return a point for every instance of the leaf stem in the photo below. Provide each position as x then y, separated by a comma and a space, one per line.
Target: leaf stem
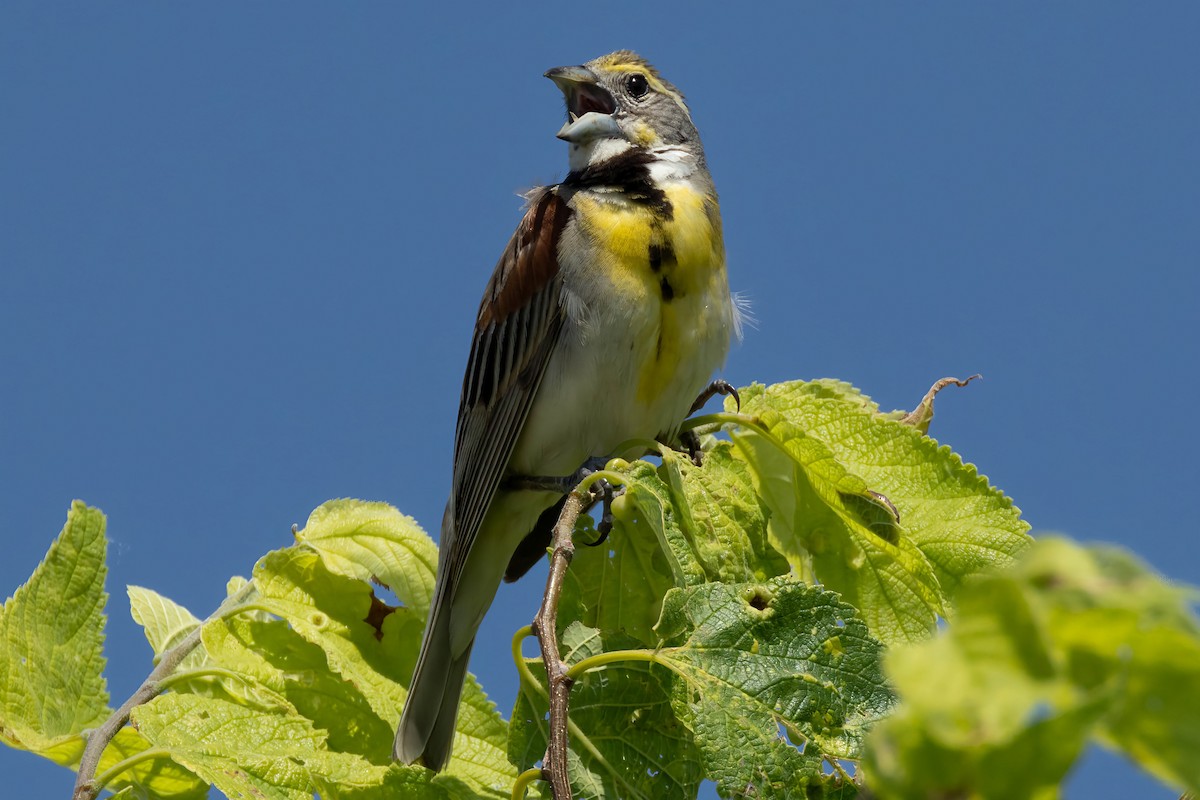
528, 680
124, 765
612, 657
614, 478
521, 785
518, 640
523, 670
260, 607
723, 418
86, 787
219, 672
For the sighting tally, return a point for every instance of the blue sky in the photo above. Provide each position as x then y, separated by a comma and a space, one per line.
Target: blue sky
241, 247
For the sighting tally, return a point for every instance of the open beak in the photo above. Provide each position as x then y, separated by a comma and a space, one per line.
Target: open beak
590, 107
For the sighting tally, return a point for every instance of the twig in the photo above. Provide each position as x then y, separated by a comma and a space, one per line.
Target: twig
545, 627
86, 788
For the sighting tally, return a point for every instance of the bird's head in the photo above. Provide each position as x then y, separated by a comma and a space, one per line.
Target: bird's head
617, 102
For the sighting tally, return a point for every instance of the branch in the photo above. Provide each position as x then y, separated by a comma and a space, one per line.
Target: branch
545, 627
86, 788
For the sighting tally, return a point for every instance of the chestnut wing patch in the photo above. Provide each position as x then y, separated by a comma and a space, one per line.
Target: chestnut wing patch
519, 321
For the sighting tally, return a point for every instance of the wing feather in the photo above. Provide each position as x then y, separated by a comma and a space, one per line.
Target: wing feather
519, 321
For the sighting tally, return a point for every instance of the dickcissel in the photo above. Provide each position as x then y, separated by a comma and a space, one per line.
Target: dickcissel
604, 319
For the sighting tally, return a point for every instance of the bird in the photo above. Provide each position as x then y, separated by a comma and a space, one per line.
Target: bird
604, 319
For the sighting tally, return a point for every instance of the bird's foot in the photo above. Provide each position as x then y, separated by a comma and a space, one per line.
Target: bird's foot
604, 492
689, 441
601, 492
550, 483
724, 388
691, 444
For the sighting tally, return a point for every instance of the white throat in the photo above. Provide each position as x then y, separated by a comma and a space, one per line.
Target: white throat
594, 151
672, 163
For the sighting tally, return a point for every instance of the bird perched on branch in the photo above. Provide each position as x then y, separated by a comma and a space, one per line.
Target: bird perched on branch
604, 319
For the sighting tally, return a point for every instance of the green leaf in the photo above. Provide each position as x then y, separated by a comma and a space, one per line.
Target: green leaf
676, 524
758, 657
961, 523
1154, 717
836, 474
310, 675
722, 516
648, 508
281, 670
479, 764
975, 700
165, 623
51, 687
386, 783
317, 696
247, 753
51, 631
618, 586
1067, 646
373, 647
738, 754
337, 614
906, 761
625, 740
833, 531
155, 777
374, 541
1117, 625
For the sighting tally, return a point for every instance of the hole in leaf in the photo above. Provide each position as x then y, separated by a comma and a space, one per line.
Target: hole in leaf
378, 612
758, 598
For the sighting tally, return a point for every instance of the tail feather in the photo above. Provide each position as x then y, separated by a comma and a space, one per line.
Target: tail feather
441, 737
426, 730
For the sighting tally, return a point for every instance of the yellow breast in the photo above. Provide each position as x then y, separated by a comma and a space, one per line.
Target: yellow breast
667, 270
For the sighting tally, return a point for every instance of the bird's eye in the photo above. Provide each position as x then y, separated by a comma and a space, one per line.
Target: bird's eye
637, 85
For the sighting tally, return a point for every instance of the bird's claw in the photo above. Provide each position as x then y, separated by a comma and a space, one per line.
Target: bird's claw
691, 444
554, 483
604, 492
721, 387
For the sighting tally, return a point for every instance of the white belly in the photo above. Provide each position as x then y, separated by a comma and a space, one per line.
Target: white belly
594, 395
